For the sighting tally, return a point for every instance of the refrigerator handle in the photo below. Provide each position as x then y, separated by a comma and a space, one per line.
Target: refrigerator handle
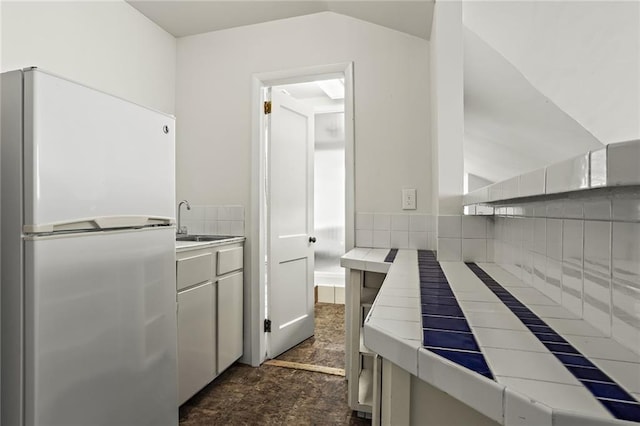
97, 223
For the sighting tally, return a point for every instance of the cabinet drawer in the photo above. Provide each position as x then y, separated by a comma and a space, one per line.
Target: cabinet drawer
194, 270
230, 260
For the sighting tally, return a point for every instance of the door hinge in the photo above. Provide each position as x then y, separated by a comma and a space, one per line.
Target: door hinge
267, 107
267, 326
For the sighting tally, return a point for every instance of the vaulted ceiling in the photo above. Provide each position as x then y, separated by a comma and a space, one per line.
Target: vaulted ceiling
184, 18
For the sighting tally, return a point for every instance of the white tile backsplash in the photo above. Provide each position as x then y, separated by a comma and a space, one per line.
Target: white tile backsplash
399, 222
419, 240
625, 256
211, 213
396, 230
474, 227
449, 249
381, 239
581, 253
214, 220
418, 223
364, 221
381, 222
450, 226
626, 210
399, 239
364, 238
597, 209
474, 250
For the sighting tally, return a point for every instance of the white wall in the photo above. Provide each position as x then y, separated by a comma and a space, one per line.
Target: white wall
510, 127
448, 111
214, 108
213, 105
582, 55
106, 45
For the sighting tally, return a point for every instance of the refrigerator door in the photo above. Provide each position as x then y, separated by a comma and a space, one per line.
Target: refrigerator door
100, 329
90, 155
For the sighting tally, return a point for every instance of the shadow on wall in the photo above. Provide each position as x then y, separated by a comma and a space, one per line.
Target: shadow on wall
510, 126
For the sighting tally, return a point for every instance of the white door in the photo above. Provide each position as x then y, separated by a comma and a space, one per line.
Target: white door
290, 295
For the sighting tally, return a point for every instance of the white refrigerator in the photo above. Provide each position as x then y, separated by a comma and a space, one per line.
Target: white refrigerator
88, 301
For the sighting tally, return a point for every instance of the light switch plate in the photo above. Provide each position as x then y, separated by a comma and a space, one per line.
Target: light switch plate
408, 199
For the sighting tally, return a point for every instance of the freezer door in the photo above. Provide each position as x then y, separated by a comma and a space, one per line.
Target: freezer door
100, 329
88, 154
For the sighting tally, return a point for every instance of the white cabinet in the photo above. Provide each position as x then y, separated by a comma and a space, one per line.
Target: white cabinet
229, 320
196, 339
210, 288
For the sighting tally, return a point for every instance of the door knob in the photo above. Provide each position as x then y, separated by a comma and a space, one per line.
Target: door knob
312, 239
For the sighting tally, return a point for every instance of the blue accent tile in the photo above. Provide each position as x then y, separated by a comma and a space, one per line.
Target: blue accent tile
450, 301
472, 360
524, 314
391, 256
608, 390
433, 279
444, 323
441, 323
586, 373
563, 348
433, 284
532, 321
540, 329
550, 337
437, 292
450, 340
616, 400
623, 410
446, 310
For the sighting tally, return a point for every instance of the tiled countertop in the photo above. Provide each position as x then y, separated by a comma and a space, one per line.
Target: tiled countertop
531, 386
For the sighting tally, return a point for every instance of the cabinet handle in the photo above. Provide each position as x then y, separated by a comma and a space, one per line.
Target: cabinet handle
312, 239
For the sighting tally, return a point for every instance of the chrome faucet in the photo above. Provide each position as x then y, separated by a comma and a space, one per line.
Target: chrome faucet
182, 230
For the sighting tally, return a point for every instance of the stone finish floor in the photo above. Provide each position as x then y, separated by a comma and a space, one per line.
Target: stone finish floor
270, 395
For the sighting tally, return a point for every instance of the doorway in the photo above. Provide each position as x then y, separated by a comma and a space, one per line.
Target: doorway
326, 97
334, 119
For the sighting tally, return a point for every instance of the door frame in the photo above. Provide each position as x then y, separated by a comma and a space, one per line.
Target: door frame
254, 323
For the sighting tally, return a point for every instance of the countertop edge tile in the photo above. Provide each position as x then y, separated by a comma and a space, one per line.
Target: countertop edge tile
476, 391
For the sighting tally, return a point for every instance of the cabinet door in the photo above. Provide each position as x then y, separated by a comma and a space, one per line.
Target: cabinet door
230, 294
196, 340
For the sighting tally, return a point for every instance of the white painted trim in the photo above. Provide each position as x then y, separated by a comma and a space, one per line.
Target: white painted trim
349, 158
256, 244
330, 109
255, 309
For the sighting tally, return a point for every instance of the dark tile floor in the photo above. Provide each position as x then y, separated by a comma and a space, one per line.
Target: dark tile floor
271, 395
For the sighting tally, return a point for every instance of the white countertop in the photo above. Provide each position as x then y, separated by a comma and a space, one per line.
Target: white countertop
531, 386
192, 245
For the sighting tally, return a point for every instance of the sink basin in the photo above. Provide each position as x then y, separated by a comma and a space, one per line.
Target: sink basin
202, 238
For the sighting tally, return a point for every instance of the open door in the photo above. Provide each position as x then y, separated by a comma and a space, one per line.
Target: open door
290, 295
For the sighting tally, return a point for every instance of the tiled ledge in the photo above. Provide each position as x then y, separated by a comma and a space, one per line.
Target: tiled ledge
531, 386
613, 166
366, 259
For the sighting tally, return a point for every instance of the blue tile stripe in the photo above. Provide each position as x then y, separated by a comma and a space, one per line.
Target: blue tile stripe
609, 393
445, 330
391, 256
